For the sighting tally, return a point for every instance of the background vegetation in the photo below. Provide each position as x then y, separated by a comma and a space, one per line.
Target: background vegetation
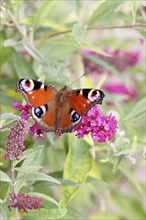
97, 180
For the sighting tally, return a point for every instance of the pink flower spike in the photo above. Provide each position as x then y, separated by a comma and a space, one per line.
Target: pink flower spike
101, 128
119, 88
15, 142
23, 202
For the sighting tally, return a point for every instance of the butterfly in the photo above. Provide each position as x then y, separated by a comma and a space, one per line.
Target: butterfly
57, 110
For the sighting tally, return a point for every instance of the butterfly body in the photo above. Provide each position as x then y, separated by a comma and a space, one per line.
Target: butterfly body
55, 110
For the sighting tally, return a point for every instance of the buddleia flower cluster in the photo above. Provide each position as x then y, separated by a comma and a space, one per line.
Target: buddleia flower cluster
119, 60
100, 127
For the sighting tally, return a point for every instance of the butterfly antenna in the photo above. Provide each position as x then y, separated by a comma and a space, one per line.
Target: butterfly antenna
58, 74
77, 79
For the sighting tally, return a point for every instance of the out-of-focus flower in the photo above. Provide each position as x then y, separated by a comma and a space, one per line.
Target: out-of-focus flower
121, 60
101, 128
15, 142
119, 88
23, 202
24, 53
142, 40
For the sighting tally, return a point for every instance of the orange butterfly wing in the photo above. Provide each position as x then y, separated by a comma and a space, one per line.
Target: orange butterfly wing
81, 100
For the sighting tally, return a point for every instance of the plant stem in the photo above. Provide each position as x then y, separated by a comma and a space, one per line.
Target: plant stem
135, 26
14, 185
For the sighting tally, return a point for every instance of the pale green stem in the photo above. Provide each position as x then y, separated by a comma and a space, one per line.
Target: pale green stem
13, 181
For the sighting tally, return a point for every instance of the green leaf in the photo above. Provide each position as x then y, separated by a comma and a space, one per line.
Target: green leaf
45, 197
7, 120
137, 110
77, 166
104, 9
46, 214
142, 32
33, 157
10, 43
28, 169
133, 7
36, 176
6, 116
4, 177
43, 12
130, 176
23, 68
132, 208
4, 50
105, 215
3, 214
94, 48
35, 53
78, 32
54, 25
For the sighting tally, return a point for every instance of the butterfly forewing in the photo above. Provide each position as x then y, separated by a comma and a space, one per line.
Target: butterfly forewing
36, 93
81, 100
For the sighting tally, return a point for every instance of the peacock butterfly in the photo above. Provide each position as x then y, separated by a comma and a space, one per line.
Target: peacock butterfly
55, 110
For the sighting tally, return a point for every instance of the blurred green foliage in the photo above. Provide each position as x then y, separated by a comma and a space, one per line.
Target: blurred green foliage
38, 35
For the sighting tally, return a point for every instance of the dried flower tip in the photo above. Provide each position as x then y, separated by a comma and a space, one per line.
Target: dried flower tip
23, 202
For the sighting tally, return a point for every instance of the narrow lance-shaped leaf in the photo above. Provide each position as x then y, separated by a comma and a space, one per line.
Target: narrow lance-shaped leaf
27, 169
104, 9
138, 109
43, 12
133, 7
23, 68
36, 176
78, 32
4, 177
88, 46
35, 53
46, 213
